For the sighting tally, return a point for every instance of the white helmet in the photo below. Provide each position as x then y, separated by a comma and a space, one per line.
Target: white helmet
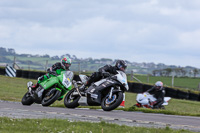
159, 85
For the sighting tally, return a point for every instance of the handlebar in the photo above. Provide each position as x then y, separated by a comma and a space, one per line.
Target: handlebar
53, 73
75, 84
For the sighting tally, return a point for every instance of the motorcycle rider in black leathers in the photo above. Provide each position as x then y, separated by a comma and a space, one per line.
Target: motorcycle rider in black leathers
158, 92
105, 72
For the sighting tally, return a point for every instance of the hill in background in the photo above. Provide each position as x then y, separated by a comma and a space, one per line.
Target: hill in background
42, 62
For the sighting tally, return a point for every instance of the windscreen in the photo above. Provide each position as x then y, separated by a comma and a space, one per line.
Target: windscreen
69, 74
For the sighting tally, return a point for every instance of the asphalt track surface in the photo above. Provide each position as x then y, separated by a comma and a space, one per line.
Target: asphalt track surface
17, 110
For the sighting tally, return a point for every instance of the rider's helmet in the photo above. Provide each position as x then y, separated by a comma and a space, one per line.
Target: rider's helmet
66, 62
121, 65
159, 85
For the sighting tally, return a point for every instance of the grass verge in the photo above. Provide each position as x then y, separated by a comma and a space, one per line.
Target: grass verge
8, 125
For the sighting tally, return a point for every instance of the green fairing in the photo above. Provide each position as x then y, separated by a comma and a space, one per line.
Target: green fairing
70, 88
58, 81
58, 71
49, 82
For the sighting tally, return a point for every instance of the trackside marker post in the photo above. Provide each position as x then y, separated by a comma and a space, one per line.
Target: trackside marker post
122, 105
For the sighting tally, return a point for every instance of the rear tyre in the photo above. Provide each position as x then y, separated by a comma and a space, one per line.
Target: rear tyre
50, 97
110, 104
27, 99
71, 101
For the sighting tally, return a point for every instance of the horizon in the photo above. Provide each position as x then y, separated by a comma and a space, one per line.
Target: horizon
100, 58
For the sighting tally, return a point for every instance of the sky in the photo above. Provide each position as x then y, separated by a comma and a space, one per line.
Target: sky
166, 31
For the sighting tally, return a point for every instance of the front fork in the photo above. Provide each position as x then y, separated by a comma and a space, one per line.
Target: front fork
29, 90
76, 86
110, 95
29, 84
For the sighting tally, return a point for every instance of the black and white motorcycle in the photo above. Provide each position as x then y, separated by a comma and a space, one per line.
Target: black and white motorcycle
107, 92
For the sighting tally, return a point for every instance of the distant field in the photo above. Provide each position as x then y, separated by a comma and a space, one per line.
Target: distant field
187, 83
40, 63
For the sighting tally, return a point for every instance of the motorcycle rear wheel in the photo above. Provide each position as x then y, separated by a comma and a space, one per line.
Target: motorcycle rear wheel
27, 99
113, 105
50, 97
71, 101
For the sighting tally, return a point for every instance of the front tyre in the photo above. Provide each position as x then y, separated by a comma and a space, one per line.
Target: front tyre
110, 104
71, 101
50, 97
27, 99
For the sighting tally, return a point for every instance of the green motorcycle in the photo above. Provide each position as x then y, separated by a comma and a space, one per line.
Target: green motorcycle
49, 90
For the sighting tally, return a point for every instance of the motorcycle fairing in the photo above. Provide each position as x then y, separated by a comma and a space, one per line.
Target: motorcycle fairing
121, 76
38, 94
61, 83
94, 93
49, 82
94, 99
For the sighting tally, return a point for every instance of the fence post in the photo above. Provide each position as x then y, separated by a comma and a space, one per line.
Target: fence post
199, 86
147, 78
131, 75
46, 66
172, 80
14, 62
79, 68
29, 66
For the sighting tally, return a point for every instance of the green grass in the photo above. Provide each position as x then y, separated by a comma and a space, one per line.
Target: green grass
8, 125
181, 82
13, 89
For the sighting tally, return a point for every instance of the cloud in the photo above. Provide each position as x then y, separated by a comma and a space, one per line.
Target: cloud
190, 38
150, 31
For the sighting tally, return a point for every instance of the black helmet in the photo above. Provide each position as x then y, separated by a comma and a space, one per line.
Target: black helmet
121, 65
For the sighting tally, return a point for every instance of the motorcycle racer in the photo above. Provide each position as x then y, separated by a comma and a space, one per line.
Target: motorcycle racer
105, 71
55, 69
158, 92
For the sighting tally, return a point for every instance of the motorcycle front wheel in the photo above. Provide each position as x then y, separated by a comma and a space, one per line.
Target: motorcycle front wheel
110, 104
50, 97
27, 99
71, 101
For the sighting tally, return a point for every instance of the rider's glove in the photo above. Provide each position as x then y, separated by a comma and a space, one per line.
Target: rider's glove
56, 66
48, 76
48, 70
53, 73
